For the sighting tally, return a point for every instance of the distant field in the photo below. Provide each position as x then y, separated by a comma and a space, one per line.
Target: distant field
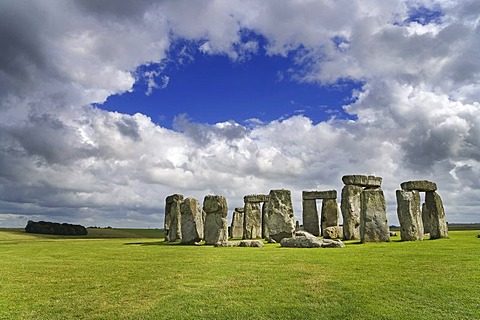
93, 233
133, 278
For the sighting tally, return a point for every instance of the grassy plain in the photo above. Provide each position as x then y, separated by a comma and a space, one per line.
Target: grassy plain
45, 277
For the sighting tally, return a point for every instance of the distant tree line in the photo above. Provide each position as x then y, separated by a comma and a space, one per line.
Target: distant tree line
45, 227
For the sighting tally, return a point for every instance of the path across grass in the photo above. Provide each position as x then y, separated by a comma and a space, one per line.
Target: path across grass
45, 277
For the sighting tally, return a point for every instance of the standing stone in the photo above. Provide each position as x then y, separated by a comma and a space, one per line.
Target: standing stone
351, 207
280, 221
173, 228
252, 220
329, 213
216, 225
409, 216
436, 215
425, 217
237, 223
264, 228
192, 221
373, 216
310, 217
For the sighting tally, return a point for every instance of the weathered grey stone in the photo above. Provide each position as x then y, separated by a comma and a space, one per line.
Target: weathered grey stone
279, 218
264, 228
216, 225
240, 209
310, 242
255, 198
302, 233
409, 216
436, 215
425, 219
330, 213
310, 217
313, 195
251, 243
373, 216
192, 221
173, 223
362, 181
333, 232
351, 207
419, 185
237, 223
227, 244
252, 220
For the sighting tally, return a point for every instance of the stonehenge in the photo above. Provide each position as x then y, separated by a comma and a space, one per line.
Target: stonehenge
271, 217
329, 213
414, 222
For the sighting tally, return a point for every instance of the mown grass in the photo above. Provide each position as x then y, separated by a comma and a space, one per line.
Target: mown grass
45, 278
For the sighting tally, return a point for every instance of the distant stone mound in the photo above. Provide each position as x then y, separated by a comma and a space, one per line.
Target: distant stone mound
66, 229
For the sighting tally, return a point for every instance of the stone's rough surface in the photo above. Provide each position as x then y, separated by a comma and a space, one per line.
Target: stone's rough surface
310, 242
252, 220
264, 228
362, 181
172, 225
436, 215
251, 243
409, 216
425, 218
279, 218
66, 229
227, 244
310, 217
351, 206
192, 221
373, 216
312, 195
255, 198
333, 232
237, 223
419, 185
216, 225
329, 213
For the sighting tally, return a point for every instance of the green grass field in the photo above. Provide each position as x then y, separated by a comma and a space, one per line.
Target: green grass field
46, 277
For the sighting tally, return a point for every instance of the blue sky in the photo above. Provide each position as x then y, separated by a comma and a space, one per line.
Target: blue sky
215, 88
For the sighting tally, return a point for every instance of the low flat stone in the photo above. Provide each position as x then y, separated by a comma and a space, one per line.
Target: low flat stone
227, 244
333, 232
256, 198
313, 195
310, 242
251, 243
362, 181
419, 185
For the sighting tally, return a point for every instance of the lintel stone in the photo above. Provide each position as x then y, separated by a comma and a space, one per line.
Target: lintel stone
256, 198
419, 185
174, 197
362, 181
313, 195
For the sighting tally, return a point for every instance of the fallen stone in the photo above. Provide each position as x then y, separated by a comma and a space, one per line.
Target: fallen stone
313, 195
279, 218
216, 227
409, 215
373, 219
65, 229
310, 242
255, 198
351, 207
252, 221
436, 215
227, 244
330, 213
362, 181
333, 232
192, 221
237, 223
419, 185
251, 243
310, 217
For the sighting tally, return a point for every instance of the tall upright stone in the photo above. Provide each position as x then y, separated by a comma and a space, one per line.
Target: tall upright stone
192, 221
436, 215
173, 228
409, 215
252, 223
425, 218
237, 223
279, 218
351, 207
310, 216
264, 210
329, 213
216, 225
373, 216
